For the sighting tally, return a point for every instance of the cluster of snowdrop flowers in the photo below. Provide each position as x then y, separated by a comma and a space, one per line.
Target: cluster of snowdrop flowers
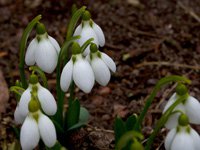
29, 112
43, 50
181, 135
84, 70
89, 29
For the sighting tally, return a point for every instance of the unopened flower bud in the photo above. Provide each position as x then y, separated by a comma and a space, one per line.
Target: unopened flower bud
136, 146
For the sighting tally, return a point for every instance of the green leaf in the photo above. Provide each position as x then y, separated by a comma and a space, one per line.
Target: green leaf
57, 146
72, 24
23, 43
119, 128
58, 127
125, 139
130, 122
41, 74
83, 119
73, 113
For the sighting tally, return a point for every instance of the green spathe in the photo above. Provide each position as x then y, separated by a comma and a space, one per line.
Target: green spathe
40, 28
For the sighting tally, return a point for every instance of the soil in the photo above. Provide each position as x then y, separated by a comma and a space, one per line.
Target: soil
148, 40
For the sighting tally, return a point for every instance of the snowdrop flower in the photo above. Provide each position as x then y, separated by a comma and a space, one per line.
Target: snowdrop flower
89, 29
43, 50
79, 70
46, 99
101, 65
182, 137
37, 125
191, 107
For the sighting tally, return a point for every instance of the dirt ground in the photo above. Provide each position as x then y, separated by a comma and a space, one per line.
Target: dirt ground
148, 39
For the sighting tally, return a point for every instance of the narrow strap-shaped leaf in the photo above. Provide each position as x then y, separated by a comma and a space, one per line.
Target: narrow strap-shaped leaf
130, 122
23, 43
119, 128
73, 113
72, 24
83, 119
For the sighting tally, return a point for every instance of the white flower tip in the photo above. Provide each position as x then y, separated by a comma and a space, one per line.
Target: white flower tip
66, 76
109, 62
83, 75
47, 101
46, 56
47, 131
29, 135
99, 33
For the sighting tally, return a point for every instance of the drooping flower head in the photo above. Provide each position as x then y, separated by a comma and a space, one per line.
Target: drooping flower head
89, 29
77, 69
43, 50
36, 125
45, 98
182, 137
191, 107
101, 64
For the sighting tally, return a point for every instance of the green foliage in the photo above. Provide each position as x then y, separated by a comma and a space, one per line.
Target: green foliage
125, 134
83, 119
73, 112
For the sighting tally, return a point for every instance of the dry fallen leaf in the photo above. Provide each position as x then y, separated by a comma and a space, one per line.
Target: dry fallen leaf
4, 93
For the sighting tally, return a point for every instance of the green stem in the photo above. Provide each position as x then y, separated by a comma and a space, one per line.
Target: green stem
71, 97
41, 74
163, 120
23, 43
60, 93
160, 83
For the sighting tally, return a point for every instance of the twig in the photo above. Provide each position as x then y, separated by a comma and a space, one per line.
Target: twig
189, 11
99, 130
164, 63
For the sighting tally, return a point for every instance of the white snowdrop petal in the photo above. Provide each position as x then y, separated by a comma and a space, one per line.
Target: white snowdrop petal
87, 33
24, 100
196, 138
169, 139
78, 30
30, 53
101, 71
29, 135
47, 101
171, 100
192, 107
46, 56
83, 75
66, 76
109, 62
99, 33
19, 119
182, 141
54, 43
47, 131
172, 121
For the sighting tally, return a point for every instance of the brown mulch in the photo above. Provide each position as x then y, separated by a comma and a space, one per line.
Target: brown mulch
147, 39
